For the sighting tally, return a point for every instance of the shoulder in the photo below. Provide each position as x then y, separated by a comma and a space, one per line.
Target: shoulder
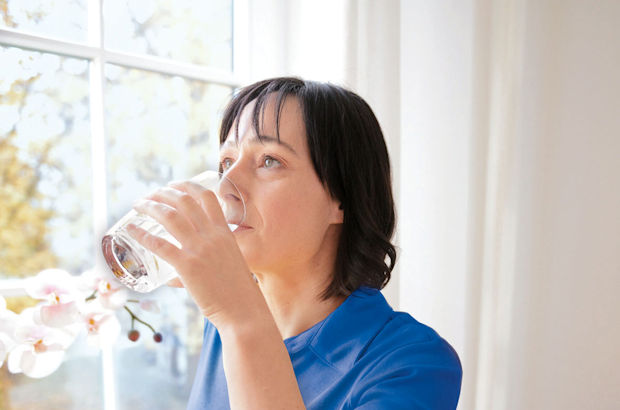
415, 342
384, 331
407, 365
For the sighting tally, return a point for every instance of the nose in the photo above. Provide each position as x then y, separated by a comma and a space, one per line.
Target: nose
233, 195
236, 181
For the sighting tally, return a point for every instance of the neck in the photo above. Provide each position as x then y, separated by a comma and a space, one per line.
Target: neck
293, 294
296, 307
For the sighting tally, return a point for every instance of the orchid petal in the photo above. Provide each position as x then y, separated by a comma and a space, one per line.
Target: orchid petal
15, 358
7, 343
105, 332
149, 306
42, 364
60, 338
4, 349
38, 357
88, 281
59, 315
25, 333
113, 299
48, 282
8, 321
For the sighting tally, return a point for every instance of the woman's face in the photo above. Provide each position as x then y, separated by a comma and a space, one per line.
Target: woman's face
291, 221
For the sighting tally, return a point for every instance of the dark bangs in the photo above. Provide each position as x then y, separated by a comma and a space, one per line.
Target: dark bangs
260, 92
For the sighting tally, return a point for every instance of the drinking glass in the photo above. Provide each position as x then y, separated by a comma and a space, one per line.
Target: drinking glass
143, 271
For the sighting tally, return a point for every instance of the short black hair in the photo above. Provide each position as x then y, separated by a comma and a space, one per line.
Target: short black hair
350, 158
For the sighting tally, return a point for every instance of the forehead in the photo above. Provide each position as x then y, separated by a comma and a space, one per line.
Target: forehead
265, 123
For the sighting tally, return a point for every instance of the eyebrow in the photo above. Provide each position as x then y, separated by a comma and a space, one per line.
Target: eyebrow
259, 140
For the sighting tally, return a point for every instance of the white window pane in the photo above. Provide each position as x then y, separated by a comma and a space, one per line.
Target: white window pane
193, 31
76, 385
45, 205
167, 368
62, 19
158, 128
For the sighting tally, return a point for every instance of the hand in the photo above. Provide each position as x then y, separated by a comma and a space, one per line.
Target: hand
210, 264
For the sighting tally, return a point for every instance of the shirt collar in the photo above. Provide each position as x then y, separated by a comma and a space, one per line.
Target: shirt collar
341, 337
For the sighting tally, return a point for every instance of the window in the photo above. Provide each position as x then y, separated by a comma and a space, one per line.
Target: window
100, 103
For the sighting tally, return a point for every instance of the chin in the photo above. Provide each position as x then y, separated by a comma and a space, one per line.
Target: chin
250, 254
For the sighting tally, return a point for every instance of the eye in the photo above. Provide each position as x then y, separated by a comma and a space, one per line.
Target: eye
270, 162
226, 163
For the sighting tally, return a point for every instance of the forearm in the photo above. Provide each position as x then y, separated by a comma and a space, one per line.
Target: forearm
258, 369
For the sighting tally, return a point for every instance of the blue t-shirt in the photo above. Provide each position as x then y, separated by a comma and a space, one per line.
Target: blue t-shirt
364, 355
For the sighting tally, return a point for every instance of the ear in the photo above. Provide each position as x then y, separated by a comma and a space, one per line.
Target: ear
337, 212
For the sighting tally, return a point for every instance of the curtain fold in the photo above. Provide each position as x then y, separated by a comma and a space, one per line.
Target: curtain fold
495, 272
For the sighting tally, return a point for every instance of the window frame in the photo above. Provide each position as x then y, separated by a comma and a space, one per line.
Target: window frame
98, 56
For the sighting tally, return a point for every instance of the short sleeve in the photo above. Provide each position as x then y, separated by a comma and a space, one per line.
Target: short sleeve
423, 376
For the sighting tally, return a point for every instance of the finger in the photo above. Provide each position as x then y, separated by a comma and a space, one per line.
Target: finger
207, 200
170, 218
155, 244
175, 283
185, 203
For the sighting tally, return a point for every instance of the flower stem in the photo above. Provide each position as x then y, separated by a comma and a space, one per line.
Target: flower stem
134, 317
91, 297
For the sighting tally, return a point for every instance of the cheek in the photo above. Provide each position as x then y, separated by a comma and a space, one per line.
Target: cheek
291, 216
300, 216
281, 238
286, 216
295, 222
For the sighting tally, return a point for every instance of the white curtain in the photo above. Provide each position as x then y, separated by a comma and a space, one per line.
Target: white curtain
503, 124
511, 119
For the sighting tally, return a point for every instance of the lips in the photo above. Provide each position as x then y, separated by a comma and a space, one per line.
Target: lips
242, 227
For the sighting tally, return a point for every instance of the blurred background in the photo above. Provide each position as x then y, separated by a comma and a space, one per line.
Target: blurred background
503, 124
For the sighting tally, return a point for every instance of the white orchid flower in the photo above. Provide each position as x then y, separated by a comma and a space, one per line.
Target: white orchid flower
39, 349
102, 325
7, 329
109, 292
34, 342
58, 289
111, 296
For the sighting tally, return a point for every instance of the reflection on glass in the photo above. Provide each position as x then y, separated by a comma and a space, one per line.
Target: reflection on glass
158, 128
198, 32
45, 204
45, 190
63, 19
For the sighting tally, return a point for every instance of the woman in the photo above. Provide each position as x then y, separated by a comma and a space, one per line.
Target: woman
294, 314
